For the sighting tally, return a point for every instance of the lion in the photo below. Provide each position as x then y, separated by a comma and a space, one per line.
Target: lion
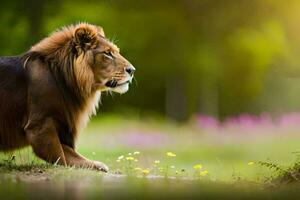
48, 94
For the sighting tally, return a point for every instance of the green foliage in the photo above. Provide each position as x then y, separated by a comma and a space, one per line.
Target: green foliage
272, 166
284, 175
217, 58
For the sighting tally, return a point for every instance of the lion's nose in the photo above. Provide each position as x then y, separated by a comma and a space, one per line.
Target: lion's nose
130, 70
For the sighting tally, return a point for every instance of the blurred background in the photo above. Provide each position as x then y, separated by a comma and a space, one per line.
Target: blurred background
217, 82
208, 57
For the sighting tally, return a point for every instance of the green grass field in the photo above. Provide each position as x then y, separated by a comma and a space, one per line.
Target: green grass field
226, 157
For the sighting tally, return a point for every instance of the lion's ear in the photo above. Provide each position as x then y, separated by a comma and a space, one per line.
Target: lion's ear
101, 31
85, 37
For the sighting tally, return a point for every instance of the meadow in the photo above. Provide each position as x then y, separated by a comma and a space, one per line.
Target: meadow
152, 158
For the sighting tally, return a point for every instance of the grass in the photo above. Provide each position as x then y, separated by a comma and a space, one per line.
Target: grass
225, 157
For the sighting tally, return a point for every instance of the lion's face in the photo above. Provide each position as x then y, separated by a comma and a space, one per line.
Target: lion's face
112, 72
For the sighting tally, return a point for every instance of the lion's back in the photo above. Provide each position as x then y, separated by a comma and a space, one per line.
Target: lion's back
13, 101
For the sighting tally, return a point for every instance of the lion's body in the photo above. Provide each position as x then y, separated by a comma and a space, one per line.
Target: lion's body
36, 89
48, 94
13, 103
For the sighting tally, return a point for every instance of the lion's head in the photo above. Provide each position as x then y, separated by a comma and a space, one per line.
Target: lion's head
86, 58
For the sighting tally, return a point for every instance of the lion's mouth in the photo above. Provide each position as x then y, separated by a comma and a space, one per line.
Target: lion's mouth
114, 83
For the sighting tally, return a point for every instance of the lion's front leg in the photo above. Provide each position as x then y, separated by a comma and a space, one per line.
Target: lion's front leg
75, 159
44, 140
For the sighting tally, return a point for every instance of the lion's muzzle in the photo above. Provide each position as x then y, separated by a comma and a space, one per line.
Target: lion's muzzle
130, 70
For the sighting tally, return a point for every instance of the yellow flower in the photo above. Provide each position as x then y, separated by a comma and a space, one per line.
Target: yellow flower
251, 163
197, 167
170, 154
120, 157
145, 172
136, 153
138, 169
135, 160
130, 158
204, 173
156, 162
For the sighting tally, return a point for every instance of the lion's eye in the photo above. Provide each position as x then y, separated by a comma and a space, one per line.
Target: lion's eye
108, 54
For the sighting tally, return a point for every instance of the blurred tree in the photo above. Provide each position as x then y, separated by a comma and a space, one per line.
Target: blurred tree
29, 15
212, 57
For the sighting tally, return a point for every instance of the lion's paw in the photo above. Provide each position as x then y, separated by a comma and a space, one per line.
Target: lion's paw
100, 166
